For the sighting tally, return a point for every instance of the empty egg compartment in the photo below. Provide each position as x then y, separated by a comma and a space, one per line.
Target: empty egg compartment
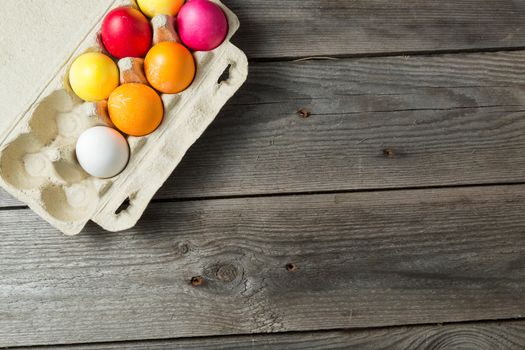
39, 164
37, 157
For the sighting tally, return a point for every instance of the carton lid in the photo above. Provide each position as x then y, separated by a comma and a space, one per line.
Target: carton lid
36, 39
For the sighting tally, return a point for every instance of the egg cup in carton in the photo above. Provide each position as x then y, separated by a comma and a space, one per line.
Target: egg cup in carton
37, 153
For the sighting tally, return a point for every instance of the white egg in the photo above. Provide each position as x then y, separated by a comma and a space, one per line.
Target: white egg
102, 152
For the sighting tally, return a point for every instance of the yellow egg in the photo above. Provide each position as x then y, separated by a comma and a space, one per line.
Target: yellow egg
151, 8
93, 76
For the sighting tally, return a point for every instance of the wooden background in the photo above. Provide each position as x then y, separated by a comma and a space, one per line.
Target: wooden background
365, 189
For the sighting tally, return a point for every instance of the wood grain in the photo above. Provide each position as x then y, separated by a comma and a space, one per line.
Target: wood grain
294, 28
483, 336
258, 265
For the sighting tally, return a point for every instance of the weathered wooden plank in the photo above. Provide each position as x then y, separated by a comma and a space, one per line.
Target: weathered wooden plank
449, 120
482, 336
339, 27
268, 265
375, 123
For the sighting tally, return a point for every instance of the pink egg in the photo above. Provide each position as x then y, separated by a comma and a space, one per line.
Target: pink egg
202, 25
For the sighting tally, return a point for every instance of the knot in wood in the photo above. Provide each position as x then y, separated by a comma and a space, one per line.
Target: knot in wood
387, 152
291, 267
303, 113
197, 281
227, 273
181, 248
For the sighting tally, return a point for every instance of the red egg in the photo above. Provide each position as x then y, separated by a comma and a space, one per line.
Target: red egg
126, 32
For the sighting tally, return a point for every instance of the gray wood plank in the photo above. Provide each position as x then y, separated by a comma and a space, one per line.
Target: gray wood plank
482, 336
375, 123
448, 120
292, 28
272, 264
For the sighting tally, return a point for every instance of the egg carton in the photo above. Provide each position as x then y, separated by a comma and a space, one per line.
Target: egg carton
37, 151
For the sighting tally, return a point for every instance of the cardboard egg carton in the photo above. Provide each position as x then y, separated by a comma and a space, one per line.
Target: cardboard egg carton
37, 148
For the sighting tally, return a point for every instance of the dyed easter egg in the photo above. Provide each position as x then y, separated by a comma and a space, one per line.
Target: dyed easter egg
102, 152
169, 67
202, 25
93, 76
126, 32
135, 109
152, 8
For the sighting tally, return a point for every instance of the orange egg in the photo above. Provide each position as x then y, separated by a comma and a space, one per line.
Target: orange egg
169, 67
135, 109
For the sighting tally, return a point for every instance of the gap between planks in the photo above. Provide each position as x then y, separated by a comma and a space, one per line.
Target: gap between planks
334, 57
310, 193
